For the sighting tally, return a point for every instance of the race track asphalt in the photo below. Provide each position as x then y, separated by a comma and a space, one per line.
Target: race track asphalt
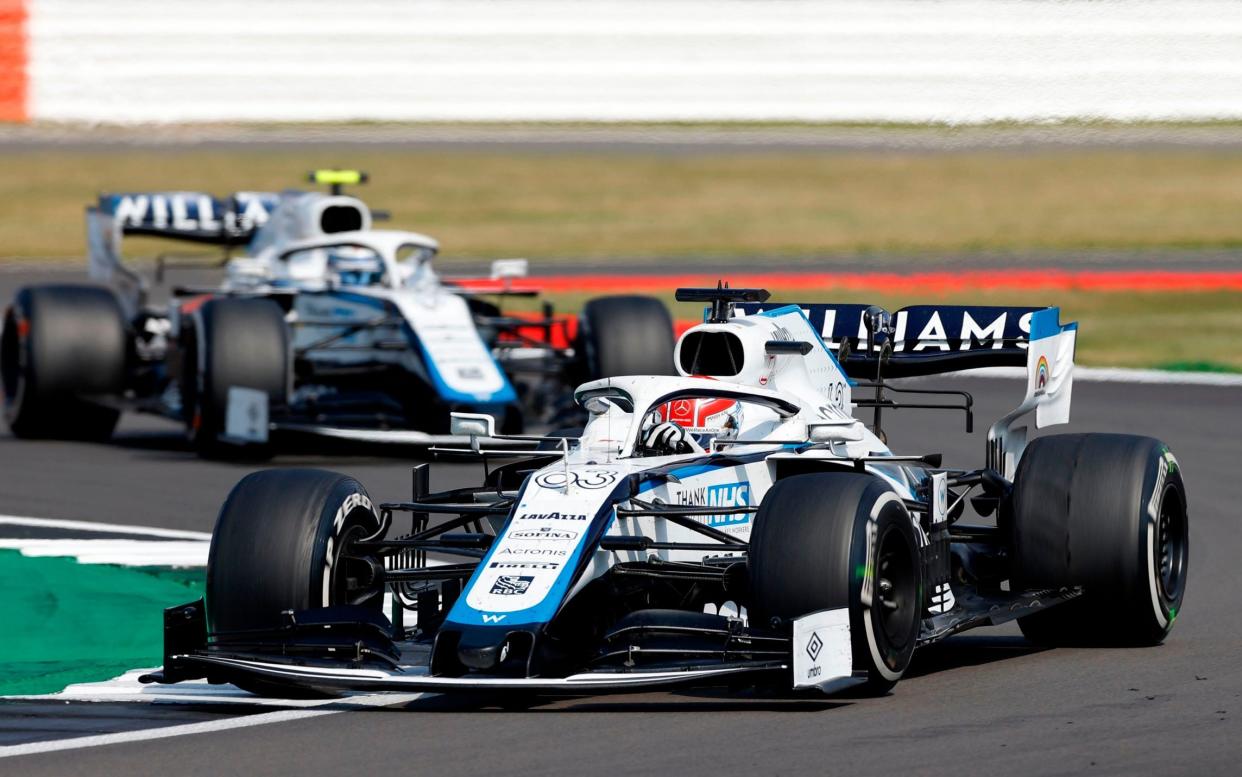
983, 702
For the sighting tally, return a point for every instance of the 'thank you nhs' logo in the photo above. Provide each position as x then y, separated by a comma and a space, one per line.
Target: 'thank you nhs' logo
721, 495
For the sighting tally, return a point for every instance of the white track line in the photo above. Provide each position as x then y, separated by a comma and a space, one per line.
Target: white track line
207, 727
128, 688
160, 548
126, 553
114, 528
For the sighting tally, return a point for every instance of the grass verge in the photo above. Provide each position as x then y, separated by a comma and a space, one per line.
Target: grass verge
741, 204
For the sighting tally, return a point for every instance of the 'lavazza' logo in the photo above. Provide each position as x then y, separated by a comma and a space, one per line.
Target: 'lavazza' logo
588, 479
524, 565
552, 517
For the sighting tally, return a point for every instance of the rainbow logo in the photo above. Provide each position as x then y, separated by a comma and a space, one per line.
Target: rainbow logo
1041, 373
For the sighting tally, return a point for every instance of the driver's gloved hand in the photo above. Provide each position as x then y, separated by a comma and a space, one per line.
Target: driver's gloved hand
668, 438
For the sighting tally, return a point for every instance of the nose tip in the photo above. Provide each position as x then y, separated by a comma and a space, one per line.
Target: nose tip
481, 658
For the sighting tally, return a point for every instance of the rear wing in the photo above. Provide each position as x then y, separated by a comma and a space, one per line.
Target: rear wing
926, 339
193, 217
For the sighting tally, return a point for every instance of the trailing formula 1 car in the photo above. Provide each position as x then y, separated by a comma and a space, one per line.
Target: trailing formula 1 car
325, 326
734, 524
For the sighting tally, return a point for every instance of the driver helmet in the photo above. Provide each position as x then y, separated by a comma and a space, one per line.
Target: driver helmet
355, 266
703, 417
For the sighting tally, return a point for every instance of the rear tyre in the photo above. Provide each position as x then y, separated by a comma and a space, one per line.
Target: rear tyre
62, 344
234, 342
277, 546
628, 335
1106, 512
840, 539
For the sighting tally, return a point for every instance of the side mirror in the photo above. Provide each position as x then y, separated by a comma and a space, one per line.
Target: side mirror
597, 405
503, 269
828, 432
472, 425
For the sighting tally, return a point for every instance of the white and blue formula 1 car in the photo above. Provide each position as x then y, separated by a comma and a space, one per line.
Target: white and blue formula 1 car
735, 524
325, 326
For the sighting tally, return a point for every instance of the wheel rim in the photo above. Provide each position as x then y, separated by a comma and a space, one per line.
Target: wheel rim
355, 576
1171, 545
896, 589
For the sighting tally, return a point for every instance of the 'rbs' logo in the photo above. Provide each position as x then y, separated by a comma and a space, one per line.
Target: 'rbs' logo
512, 585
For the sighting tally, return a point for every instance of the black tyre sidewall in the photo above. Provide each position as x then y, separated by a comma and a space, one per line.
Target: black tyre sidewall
814, 546
274, 544
1085, 513
75, 345
235, 342
625, 335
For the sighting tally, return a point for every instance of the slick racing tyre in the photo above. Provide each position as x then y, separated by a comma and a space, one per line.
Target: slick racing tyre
1106, 512
278, 545
625, 336
233, 342
61, 345
840, 539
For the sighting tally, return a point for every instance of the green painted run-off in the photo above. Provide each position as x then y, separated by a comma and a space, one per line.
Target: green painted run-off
62, 622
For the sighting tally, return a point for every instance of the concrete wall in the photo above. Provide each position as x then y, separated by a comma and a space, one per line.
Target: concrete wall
878, 60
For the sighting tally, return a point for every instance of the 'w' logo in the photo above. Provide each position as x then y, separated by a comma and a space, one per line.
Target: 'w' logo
493, 618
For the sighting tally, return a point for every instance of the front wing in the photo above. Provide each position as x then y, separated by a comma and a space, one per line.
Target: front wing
341, 678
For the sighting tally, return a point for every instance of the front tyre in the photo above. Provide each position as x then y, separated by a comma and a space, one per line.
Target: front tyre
281, 543
1106, 512
234, 342
840, 539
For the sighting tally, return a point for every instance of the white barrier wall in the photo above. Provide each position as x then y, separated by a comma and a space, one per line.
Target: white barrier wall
312, 60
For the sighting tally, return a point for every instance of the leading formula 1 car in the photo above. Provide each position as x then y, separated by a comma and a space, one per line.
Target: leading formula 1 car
325, 326
735, 524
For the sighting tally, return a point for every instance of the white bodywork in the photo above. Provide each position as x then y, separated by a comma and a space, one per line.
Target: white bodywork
362, 275
408, 286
